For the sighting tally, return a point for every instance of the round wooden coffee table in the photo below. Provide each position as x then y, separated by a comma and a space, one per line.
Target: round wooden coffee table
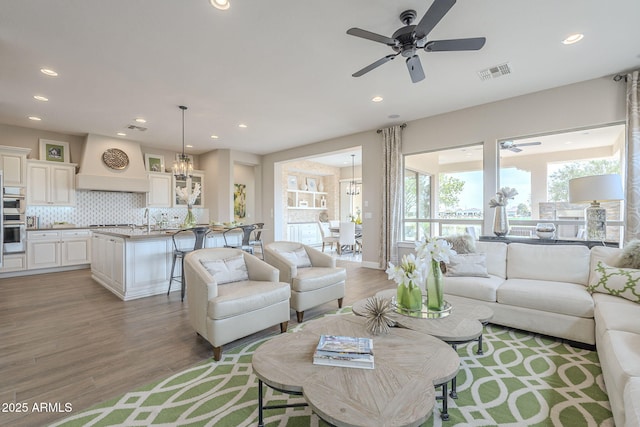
463, 325
400, 390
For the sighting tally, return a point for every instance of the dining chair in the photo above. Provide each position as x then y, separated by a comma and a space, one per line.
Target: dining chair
181, 247
347, 236
327, 237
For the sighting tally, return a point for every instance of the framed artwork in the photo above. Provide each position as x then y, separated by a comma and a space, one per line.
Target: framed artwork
311, 184
240, 201
292, 182
154, 162
54, 151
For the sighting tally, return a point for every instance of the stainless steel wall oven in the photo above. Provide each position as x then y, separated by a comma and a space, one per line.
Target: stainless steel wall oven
14, 227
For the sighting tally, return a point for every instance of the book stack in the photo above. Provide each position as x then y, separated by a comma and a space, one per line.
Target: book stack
350, 352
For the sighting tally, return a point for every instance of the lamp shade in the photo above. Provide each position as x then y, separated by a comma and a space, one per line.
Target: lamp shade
599, 188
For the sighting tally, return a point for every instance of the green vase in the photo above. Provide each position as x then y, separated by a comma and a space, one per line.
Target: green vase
409, 297
435, 287
189, 220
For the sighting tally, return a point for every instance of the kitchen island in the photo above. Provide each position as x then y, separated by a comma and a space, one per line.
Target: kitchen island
134, 263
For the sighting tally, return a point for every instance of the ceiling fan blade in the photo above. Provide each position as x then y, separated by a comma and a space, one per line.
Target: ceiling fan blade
376, 64
415, 68
358, 32
455, 44
529, 143
514, 149
436, 12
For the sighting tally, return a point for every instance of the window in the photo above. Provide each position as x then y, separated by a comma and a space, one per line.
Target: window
443, 192
540, 169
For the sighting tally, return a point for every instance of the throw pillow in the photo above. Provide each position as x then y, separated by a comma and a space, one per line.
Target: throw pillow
462, 243
630, 257
620, 282
473, 265
227, 270
297, 257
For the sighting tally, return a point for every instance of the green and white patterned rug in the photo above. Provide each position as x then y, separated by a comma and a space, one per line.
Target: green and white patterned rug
521, 380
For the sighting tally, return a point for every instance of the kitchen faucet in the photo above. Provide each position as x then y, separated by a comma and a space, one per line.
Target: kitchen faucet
147, 217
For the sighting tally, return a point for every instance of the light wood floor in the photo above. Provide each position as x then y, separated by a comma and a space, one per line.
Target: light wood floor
66, 339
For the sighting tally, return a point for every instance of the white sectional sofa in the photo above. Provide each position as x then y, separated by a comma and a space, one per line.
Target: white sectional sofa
543, 289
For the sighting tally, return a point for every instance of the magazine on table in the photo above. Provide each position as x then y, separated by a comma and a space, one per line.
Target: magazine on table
336, 350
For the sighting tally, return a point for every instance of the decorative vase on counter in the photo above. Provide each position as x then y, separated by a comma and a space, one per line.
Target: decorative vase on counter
435, 287
500, 221
190, 220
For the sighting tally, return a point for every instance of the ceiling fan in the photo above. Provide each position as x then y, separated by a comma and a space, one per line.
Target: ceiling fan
408, 39
512, 146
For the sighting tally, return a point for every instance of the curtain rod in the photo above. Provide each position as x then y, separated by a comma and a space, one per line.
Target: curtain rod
402, 126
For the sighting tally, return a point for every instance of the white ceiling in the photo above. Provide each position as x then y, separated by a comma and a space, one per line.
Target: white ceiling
283, 67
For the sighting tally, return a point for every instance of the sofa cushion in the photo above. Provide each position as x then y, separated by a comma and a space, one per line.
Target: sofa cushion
632, 402
605, 254
622, 282
241, 297
621, 315
226, 270
467, 265
571, 299
630, 256
479, 288
309, 279
297, 257
496, 253
557, 263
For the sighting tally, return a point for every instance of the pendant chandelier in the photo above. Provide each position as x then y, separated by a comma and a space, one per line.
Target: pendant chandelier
182, 168
353, 189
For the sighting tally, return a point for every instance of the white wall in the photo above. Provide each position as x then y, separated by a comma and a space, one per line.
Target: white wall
585, 104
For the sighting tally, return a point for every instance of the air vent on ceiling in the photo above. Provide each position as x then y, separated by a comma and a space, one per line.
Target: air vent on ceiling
134, 127
495, 72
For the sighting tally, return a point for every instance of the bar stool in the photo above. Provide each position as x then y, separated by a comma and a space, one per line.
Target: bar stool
256, 238
245, 244
179, 251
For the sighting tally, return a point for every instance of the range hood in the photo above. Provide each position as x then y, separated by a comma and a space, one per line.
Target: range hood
120, 169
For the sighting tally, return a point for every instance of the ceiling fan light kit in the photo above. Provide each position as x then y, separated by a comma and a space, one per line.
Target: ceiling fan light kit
408, 39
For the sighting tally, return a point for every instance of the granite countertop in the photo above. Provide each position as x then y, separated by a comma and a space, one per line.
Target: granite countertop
137, 233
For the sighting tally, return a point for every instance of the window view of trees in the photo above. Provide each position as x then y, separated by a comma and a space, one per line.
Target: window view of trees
558, 183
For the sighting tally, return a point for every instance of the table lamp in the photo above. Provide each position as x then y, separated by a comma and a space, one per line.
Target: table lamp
595, 189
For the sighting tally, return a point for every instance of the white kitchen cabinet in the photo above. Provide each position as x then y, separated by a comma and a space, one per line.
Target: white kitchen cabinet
161, 190
50, 183
306, 233
198, 177
13, 262
50, 249
13, 165
107, 253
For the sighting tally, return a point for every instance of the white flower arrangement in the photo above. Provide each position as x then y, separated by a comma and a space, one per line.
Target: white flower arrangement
503, 196
434, 249
406, 272
189, 197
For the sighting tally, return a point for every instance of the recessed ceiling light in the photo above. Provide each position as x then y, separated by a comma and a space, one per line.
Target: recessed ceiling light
220, 4
34, 118
41, 98
189, 146
377, 99
121, 134
242, 125
141, 120
394, 116
214, 137
573, 38
48, 72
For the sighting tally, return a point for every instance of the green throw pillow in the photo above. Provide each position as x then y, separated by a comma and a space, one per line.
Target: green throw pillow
620, 282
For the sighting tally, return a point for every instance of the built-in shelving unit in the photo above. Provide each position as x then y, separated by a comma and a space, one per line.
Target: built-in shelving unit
302, 199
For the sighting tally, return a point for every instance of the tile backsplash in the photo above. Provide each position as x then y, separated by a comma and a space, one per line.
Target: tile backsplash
105, 207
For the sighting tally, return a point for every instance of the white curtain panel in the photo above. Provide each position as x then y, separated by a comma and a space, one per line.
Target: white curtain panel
632, 199
391, 195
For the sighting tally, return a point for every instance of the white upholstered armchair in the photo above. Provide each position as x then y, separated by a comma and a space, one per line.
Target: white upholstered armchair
233, 294
313, 275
